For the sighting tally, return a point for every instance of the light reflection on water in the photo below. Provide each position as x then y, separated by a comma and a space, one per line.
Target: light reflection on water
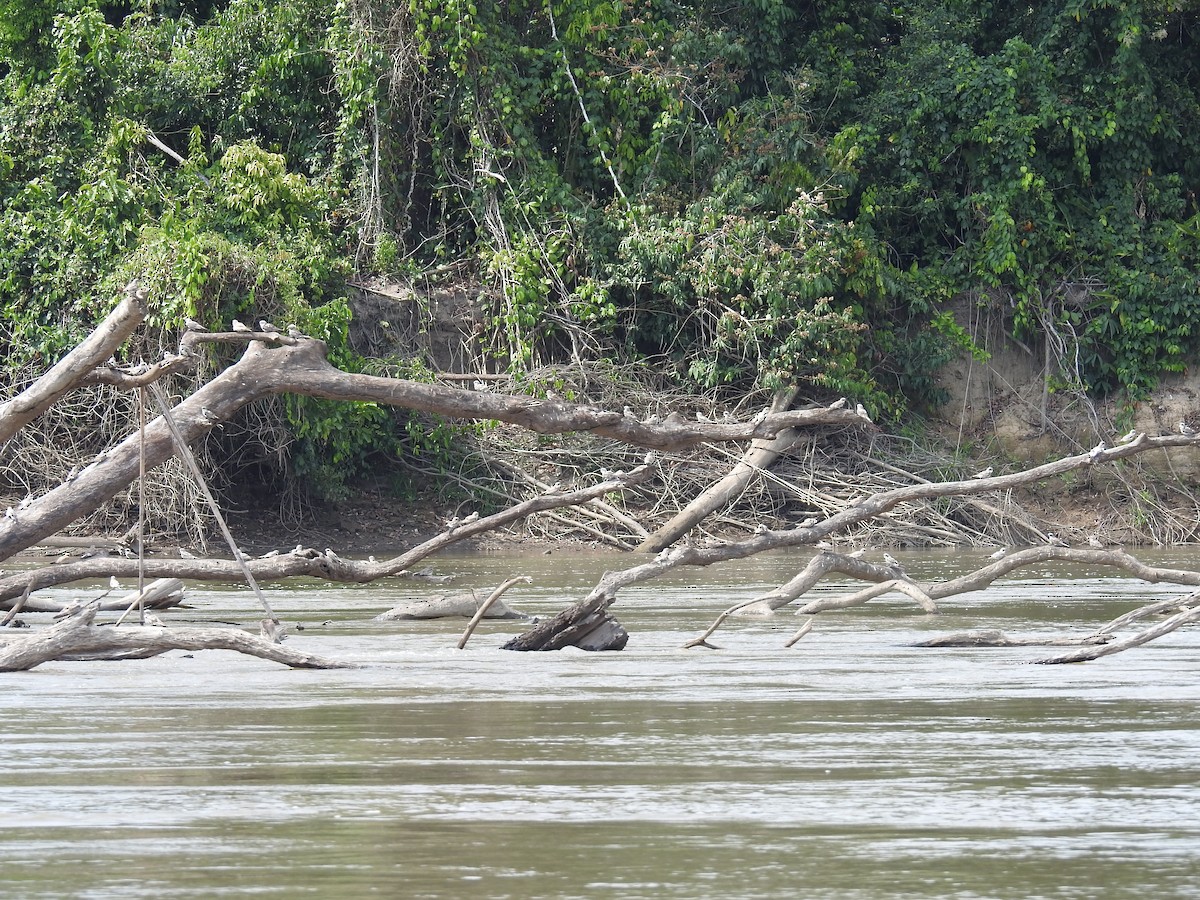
852, 766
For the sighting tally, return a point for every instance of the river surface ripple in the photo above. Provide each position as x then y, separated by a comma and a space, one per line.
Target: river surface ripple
851, 766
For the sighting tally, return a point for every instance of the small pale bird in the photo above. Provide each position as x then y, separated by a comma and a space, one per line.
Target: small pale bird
1054, 540
473, 517
862, 413
241, 326
859, 553
1186, 429
891, 561
10, 513
1096, 451
839, 404
113, 584
192, 325
823, 545
760, 528
809, 522
294, 332
1128, 436
1095, 543
264, 325
986, 473
999, 554
184, 553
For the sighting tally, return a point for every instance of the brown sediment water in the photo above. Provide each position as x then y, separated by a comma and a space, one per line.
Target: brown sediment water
851, 766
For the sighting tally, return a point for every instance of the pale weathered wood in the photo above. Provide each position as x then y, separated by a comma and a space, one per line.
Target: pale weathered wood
71, 370
78, 637
761, 455
326, 565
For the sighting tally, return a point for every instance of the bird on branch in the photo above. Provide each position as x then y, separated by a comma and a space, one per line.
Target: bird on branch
192, 325
986, 473
1096, 452
999, 554
1054, 540
241, 327
1128, 436
862, 413
1186, 429
839, 404
1095, 543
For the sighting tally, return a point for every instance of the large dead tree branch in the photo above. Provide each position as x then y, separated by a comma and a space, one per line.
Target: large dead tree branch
78, 637
72, 370
302, 561
300, 367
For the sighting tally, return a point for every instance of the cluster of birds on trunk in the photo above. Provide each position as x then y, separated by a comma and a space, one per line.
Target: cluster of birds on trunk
270, 331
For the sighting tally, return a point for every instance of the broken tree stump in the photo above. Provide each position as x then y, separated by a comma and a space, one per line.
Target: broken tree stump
588, 625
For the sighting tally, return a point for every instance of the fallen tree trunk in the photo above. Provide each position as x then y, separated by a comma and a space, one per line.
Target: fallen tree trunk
588, 625
78, 637
73, 369
299, 366
761, 455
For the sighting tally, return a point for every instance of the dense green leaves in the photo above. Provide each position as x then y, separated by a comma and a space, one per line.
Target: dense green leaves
760, 193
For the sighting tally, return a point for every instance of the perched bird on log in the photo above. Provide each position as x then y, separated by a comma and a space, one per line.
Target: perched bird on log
1096, 451
269, 554
761, 528
184, 553
72, 475
113, 584
467, 520
808, 523
453, 523
192, 325
892, 562
839, 404
554, 488
294, 332
267, 327
1186, 429
999, 554
629, 413
10, 513
208, 417
862, 413
823, 545
241, 327
859, 553
1054, 540
1128, 436
1095, 543
986, 473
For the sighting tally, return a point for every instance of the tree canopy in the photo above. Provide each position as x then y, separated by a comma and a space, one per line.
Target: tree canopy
754, 194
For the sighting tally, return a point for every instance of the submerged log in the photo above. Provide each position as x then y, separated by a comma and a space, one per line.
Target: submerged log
461, 605
587, 625
78, 637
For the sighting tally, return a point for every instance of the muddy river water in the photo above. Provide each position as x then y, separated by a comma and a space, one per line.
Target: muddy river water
851, 766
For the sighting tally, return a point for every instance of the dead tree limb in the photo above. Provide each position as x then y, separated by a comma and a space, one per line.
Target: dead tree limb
78, 637
301, 561
72, 369
300, 367
1188, 616
486, 605
761, 455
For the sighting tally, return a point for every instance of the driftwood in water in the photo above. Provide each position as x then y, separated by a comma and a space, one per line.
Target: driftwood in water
997, 638
588, 625
464, 604
78, 637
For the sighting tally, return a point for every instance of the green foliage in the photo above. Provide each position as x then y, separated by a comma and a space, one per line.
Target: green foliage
763, 193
